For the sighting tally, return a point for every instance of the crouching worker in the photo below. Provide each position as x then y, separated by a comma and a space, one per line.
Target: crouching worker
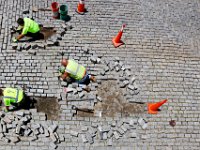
12, 96
75, 72
29, 28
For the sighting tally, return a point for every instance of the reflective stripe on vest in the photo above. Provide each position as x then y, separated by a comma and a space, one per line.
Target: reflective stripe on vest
75, 70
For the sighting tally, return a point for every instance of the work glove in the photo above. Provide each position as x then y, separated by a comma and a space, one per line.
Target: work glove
19, 28
5, 110
14, 39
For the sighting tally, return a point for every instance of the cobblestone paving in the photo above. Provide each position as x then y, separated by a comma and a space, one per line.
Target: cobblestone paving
162, 41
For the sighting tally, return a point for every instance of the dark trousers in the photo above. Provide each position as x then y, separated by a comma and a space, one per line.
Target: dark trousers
35, 36
26, 103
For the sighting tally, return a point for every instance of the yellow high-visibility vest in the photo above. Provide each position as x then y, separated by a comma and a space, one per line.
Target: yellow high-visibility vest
75, 70
13, 95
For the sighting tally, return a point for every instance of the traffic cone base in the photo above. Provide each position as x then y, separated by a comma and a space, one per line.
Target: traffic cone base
117, 44
153, 107
79, 12
151, 111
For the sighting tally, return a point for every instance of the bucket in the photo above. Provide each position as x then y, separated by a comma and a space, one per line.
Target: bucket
63, 12
55, 9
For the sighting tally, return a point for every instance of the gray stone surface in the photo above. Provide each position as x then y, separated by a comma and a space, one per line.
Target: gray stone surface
161, 50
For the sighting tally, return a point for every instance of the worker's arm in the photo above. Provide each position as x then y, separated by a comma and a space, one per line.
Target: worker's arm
64, 75
7, 108
20, 36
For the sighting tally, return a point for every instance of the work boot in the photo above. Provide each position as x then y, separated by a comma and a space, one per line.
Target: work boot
93, 79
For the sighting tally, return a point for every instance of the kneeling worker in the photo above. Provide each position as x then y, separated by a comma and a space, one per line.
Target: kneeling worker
12, 96
72, 69
29, 28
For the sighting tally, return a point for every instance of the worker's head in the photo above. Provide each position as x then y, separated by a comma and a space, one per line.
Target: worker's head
62, 69
64, 62
20, 21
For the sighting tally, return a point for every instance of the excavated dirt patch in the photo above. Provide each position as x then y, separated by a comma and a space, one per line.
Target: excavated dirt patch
49, 106
113, 102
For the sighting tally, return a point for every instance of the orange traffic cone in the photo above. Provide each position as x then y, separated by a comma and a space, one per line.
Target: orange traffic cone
81, 7
153, 107
117, 40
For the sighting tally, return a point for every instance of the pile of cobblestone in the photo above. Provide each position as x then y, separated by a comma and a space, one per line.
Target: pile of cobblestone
14, 126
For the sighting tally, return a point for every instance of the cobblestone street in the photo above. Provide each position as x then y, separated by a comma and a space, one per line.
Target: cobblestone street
159, 60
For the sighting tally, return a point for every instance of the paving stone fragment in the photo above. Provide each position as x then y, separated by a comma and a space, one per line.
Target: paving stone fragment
24, 119
14, 139
35, 126
19, 113
1, 135
41, 130
81, 95
53, 145
89, 138
99, 98
9, 126
2, 114
141, 121
36, 131
35, 9
132, 80
144, 126
94, 124
27, 47
53, 137
105, 136
102, 72
106, 128
97, 113
133, 135
84, 128
101, 135
131, 87
132, 122
32, 53
110, 133
74, 133
27, 132
7, 140
61, 138
116, 135
120, 131
128, 73
4, 128
98, 60
46, 133
63, 96
123, 127
84, 139
34, 46
7, 120
109, 142
93, 59
53, 128
125, 82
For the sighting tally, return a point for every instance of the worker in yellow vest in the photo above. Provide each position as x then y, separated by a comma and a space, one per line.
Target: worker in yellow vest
12, 96
70, 68
29, 28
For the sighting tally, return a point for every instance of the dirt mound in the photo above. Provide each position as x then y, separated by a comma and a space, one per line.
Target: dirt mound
113, 101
